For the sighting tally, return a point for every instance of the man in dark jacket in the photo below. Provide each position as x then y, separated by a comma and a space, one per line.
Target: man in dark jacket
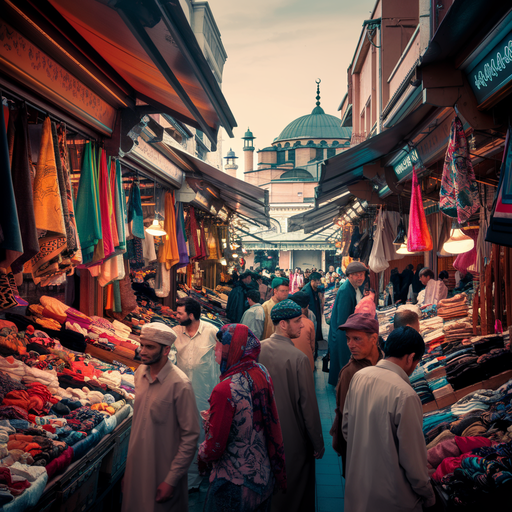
237, 299
315, 304
405, 282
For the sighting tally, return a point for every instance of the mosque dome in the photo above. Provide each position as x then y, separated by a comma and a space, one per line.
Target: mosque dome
317, 125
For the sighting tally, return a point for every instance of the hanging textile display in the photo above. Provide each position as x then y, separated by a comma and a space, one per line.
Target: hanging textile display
120, 207
181, 236
378, 261
11, 246
500, 227
87, 206
135, 215
47, 210
168, 252
111, 167
419, 238
467, 260
73, 243
22, 175
459, 190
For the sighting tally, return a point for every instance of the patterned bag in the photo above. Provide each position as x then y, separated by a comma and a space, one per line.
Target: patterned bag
459, 190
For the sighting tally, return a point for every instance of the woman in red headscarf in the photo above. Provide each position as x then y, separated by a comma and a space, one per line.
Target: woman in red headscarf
243, 443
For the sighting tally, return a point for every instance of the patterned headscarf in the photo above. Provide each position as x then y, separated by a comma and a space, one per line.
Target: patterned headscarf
238, 345
240, 351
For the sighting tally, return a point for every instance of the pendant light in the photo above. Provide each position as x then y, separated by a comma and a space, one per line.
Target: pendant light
156, 228
458, 242
403, 248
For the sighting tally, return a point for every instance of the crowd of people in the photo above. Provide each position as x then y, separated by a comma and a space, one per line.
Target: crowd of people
240, 406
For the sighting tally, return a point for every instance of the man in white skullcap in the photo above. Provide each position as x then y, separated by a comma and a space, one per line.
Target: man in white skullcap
165, 429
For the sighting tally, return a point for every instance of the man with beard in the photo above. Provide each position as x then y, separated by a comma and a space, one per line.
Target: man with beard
165, 429
195, 345
281, 289
349, 294
294, 390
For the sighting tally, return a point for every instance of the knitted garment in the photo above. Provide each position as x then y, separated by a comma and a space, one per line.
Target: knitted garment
285, 310
459, 189
419, 238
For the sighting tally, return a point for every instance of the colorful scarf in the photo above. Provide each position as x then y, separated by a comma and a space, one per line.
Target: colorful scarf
459, 190
419, 238
240, 351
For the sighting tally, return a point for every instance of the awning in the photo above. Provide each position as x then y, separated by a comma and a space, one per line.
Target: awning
317, 218
465, 20
241, 197
152, 47
346, 168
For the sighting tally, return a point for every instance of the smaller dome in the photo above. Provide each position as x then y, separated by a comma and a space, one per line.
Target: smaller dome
248, 135
231, 154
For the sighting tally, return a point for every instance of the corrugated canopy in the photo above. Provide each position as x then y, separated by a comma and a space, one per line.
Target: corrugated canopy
239, 196
319, 217
152, 47
347, 168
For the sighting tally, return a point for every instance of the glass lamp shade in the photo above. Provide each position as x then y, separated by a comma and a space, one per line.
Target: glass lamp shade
156, 229
403, 248
458, 242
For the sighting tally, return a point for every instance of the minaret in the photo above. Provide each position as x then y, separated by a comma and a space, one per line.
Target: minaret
231, 166
248, 150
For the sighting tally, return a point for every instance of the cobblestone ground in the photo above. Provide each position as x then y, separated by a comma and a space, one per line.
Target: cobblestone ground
330, 485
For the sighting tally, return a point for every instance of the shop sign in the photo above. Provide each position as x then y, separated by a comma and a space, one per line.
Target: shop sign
493, 71
28, 64
149, 157
404, 166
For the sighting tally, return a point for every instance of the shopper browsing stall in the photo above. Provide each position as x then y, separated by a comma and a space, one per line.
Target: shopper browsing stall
254, 317
434, 290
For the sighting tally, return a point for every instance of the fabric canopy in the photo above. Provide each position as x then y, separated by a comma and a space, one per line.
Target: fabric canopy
153, 48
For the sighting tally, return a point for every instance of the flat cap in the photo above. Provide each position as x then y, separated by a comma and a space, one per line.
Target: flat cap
361, 322
285, 310
158, 333
315, 276
278, 281
300, 298
355, 266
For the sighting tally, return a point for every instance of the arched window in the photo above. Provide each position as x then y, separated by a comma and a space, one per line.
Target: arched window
297, 144
323, 143
335, 143
310, 143
287, 145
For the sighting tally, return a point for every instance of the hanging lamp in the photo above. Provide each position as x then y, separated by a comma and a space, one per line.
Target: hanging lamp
458, 242
403, 248
156, 228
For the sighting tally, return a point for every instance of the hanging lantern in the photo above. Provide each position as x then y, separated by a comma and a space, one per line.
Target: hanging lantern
156, 229
400, 233
458, 242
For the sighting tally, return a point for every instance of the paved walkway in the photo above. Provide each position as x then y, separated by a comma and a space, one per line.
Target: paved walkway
330, 485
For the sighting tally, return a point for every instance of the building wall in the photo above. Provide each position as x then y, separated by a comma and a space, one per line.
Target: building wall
284, 259
307, 259
292, 192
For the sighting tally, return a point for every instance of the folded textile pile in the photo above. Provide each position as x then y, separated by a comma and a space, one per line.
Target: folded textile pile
458, 330
455, 307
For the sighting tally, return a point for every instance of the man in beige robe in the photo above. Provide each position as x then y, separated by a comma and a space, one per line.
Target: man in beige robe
294, 390
281, 289
382, 424
165, 429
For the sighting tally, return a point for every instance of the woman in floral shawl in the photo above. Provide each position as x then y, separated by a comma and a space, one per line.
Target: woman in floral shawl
243, 444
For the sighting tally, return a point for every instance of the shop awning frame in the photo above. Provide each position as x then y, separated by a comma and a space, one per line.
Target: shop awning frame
241, 197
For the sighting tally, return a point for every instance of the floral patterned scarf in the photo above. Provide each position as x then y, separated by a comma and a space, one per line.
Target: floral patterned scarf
240, 351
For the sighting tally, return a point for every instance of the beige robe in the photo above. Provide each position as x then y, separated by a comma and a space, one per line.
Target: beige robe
386, 453
163, 440
268, 328
294, 390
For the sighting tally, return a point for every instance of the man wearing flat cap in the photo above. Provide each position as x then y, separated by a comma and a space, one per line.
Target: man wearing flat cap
165, 429
294, 390
349, 294
362, 332
281, 288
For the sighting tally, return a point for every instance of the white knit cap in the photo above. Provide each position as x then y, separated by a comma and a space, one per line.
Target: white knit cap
159, 333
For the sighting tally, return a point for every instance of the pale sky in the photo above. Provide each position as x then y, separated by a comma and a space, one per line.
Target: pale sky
276, 50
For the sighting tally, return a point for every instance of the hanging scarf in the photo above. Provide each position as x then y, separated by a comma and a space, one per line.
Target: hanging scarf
87, 206
419, 238
135, 214
22, 174
47, 210
120, 207
459, 190
106, 229
181, 237
240, 351
500, 225
464, 261
112, 185
196, 249
168, 253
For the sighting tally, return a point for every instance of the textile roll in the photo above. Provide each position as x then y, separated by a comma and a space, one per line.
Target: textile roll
419, 238
459, 189
168, 252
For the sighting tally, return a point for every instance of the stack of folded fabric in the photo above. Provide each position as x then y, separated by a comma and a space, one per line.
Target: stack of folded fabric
420, 385
459, 330
455, 307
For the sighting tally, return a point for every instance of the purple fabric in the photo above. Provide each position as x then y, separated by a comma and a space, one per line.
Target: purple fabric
180, 236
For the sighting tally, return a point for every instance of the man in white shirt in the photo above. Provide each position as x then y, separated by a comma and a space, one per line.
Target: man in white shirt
434, 290
195, 345
254, 317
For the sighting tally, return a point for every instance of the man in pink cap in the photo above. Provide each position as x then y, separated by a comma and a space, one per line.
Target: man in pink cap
362, 331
